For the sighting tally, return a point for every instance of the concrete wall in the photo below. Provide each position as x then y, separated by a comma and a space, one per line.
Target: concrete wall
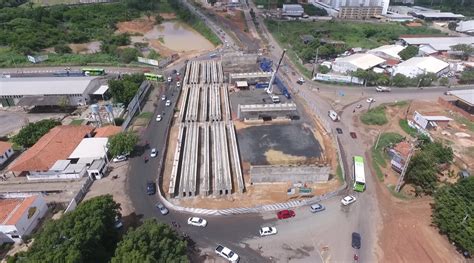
293, 174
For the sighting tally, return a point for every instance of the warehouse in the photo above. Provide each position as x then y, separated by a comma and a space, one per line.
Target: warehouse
387, 51
440, 44
419, 65
292, 10
355, 62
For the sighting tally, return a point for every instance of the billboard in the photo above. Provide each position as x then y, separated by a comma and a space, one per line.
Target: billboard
338, 78
37, 59
148, 61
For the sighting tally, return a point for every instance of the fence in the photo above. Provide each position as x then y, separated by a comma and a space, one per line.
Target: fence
80, 194
134, 104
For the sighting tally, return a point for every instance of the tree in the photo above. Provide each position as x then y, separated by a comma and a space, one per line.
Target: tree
453, 213
438, 152
151, 242
324, 69
400, 80
444, 81
124, 90
422, 172
32, 132
409, 52
312, 10
128, 55
86, 234
62, 49
467, 76
465, 49
159, 19
122, 143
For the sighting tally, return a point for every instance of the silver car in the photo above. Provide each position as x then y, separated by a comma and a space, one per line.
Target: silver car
162, 208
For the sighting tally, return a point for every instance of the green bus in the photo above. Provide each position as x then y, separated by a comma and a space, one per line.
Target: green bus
359, 175
155, 77
93, 71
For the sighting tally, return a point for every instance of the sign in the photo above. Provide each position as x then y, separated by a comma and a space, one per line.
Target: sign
338, 78
148, 61
420, 120
37, 59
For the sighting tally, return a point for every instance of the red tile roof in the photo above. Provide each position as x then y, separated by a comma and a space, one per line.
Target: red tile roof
7, 206
57, 144
4, 146
107, 131
19, 210
403, 148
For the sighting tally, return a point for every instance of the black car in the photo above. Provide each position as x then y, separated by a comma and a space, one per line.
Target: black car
356, 240
339, 130
150, 188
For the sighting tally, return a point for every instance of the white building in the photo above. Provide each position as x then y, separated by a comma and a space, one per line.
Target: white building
292, 10
6, 151
440, 44
19, 215
387, 51
356, 61
420, 65
338, 4
466, 27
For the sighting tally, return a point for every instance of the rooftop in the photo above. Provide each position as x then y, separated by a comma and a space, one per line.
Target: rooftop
362, 61
4, 146
439, 43
429, 64
57, 144
390, 50
107, 131
43, 86
465, 26
437, 15
293, 7
403, 148
466, 95
90, 148
13, 208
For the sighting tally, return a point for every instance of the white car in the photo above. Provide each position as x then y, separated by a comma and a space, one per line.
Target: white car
170, 79
196, 221
370, 100
168, 103
267, 231
178, 84
348, 200
158, 117
153, 152
119, 158
227, 253
163, 97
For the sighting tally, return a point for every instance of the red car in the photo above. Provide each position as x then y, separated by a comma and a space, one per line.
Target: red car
353, 135
284, 214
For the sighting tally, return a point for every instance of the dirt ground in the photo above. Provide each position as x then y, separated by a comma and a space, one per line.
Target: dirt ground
140, 26
407, 234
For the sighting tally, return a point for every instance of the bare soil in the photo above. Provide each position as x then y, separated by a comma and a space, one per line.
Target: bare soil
140, 26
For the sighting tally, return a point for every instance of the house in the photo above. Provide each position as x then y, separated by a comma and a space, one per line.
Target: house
399, 154
107, 131
91, 155
430, 122
464, 99
6, 151
293, 10
356, 61
421, 65
57, 144
387, 51
307, 39
466, 27
19, 215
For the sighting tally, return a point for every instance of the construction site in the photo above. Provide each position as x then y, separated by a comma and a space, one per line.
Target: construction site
247, 143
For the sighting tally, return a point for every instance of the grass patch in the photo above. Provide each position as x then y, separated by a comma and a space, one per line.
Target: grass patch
469, 124
379, 157
77, 122
399, 103
398, 195
339, 175
374, 116
145, 115
406, 128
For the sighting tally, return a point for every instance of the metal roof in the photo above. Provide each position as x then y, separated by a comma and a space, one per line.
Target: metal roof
101, 90
362, 61
43, 86
90, 148
429, 64
390, 50
465, 26
466, 95
439, 43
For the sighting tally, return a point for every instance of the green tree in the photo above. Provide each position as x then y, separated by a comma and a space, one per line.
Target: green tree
151, 242
453, 213
422, 172
32, 132
409, 52
465, 49
438, 152
123, 90
62, 49
86, 234
122, 143
444, 81
128, 55
400, 80
467, 76
324, 69
159, 19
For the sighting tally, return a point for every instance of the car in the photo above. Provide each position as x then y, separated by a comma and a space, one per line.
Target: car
447, 93
267, 231
300, 81
177, 73
353, 135
153, 152
168, 103
339, 130
227, 253
370, 100
197, 221
158, 117
356, 240
178, 84
118, 223
119, 158
170, 79
284, 214
162, 208
382, 89
174, 71
348, 200
163, 97
150, 188
314, 208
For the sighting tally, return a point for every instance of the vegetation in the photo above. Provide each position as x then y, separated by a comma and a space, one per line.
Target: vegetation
465, 7
151, 242
122, 143
324, 69
86, 234
406, 128
467, 76
312, 10
146, 115
11, 3
123, 90
453, 212
378, 154
32, 132
469, 124
465, 49
409, 52
423, 167
77, 122
422, 80
354, 34
374, 116
185, 15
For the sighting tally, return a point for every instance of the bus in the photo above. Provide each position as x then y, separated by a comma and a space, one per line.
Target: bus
155, 77
93, 71
359, 175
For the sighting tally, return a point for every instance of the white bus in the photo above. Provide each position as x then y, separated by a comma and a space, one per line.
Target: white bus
359, 175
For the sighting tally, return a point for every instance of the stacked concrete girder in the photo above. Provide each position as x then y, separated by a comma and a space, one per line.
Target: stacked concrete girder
184, 102
225, 88
193, 103
176, 163
204, 172
235, 157
214, 72
188, 178
186, 74
203, 72
220, 168
220, 72
204, 104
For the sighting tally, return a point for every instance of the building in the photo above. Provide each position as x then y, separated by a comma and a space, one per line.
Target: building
430, 122
354, 9
355, 62
421, 65
436, 16
6, 151
359, 12
267, 111
292, 10
466, 27
464, 100
387, 51
47, 91
439, 44
107, 131
57, 144
399, 154
19, 215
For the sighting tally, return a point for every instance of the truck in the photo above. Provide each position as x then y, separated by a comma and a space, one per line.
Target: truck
262, 85
382, 89
275, 99
333, 115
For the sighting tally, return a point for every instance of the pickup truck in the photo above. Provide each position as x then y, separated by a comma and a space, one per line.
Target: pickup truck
383, 89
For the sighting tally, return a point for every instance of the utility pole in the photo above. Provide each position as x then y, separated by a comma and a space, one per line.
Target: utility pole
404, 170
315, 62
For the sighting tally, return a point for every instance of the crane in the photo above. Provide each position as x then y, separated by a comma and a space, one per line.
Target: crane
269, 89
